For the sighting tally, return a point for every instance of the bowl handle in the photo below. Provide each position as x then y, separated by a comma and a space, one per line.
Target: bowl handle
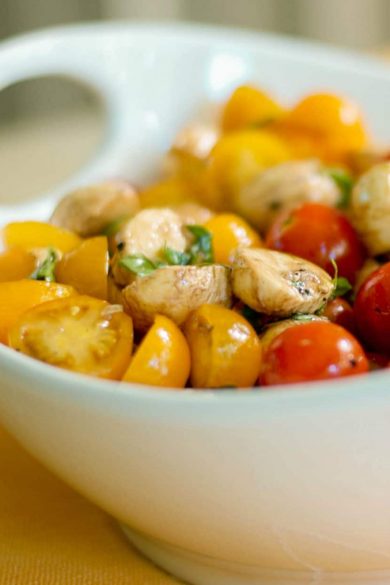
79, 53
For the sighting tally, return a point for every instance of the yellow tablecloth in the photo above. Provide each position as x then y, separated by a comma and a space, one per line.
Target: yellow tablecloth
50, 535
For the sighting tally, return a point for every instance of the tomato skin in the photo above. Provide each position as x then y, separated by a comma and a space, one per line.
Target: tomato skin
372, 310
162, 358
229, 231
325, 125
312, 351
339, 311
319, 233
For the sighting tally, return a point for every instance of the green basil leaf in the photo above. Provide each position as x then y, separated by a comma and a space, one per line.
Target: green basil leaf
176, 258
344, 182
303, 317
342, 286
201, 251
45, 271
138, 264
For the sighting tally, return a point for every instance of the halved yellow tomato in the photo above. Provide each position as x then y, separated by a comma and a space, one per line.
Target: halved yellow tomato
163, 357
19, 296
81, 334
86, 267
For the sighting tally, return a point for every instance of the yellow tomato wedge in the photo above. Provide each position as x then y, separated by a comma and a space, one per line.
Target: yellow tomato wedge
81, 334
19, 296
171, 191
163, 357
236, 159
225, 350
86, 268
249, 106
229, 231
37, 234
15, 264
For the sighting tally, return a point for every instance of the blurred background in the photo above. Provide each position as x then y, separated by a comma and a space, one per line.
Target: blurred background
37, 118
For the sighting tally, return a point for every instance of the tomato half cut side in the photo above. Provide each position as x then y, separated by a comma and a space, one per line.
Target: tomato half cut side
81, 334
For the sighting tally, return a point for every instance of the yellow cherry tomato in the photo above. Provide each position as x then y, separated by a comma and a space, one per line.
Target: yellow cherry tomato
81, 334
21, 295
229, 231
236, 159
225, 350
86, 268
16, 263
163, 357
37, 234
249, 106
326, 125
166, 193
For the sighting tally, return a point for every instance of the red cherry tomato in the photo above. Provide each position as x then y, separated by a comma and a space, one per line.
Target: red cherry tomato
319, 233
312, 351
339, 311
372, 310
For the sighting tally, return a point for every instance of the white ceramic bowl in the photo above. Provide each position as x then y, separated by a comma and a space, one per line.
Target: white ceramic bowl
285, 486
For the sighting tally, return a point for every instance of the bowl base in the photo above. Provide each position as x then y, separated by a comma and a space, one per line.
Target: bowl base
198, 569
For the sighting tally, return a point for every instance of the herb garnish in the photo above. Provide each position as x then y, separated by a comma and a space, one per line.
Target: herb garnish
344, 182
45, 271
341, 284
139, 264
176, 258
201, 251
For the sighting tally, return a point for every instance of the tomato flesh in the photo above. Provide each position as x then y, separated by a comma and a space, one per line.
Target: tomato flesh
81, 334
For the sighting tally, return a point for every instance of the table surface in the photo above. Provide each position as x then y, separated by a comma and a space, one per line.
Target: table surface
49, 534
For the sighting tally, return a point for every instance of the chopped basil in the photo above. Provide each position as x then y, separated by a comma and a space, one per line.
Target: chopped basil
344, 182
201, 251
176, 258
139, 264
342, 286
45, 271
303, 317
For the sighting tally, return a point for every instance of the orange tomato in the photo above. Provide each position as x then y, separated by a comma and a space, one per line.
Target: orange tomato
19, 296
229, 231
325, 125
235, 160
81, 334
16, 263
163, 357
249, 106
86, 268
225, 350
37, 234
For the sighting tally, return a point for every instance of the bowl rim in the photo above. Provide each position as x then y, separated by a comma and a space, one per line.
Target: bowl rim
350, 388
